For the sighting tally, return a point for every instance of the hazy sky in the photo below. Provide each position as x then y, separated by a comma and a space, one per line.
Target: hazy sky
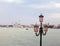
27, 11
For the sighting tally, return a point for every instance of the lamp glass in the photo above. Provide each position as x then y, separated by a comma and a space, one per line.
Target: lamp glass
41, 19
46, 28
36, 28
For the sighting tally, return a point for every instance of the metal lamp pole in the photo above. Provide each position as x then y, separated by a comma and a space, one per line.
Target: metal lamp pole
41, 31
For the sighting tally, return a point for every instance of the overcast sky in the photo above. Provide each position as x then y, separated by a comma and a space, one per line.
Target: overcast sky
27, 11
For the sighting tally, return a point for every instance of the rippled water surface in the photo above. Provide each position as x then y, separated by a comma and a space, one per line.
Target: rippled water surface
23, 37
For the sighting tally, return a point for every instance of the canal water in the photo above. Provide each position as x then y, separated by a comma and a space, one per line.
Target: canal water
23, 37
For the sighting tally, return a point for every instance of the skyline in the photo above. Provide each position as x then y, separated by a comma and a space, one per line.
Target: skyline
27, 11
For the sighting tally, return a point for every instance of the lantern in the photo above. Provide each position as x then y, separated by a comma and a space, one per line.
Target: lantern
36, 28
45, 28
41, 18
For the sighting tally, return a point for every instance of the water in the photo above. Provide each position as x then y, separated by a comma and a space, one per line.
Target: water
52, 38
23, 37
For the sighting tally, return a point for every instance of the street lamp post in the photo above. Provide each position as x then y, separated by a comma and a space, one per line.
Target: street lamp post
42, 30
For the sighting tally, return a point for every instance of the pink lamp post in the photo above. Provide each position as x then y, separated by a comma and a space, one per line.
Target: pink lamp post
39, 31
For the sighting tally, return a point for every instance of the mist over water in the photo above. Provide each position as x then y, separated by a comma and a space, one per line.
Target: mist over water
23, 37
